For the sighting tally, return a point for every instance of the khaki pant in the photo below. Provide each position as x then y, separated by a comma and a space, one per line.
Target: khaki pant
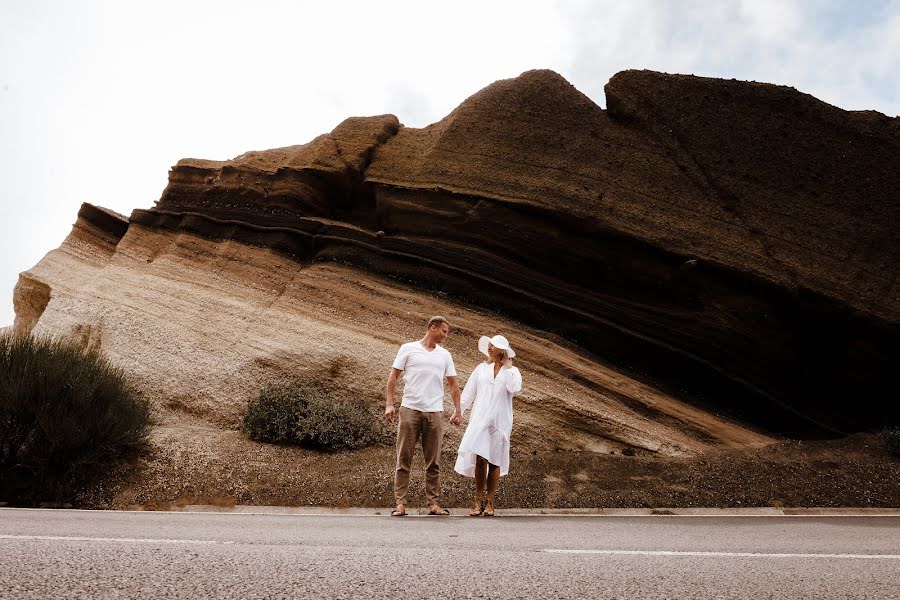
430, 427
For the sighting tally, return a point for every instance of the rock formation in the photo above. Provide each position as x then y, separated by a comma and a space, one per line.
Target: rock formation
703, 263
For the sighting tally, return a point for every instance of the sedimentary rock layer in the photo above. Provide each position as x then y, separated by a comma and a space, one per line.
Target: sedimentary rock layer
203, 325
731, 244
69, 269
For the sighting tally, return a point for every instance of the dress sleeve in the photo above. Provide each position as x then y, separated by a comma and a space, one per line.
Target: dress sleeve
470, 391
513, 381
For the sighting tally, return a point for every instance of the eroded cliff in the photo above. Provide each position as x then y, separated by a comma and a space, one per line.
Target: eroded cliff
701, 248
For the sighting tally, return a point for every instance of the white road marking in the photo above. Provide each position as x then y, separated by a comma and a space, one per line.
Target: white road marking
105, 539
719, 554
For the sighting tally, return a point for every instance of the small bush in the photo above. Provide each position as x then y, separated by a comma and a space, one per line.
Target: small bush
891, 437
65, 414
303, 415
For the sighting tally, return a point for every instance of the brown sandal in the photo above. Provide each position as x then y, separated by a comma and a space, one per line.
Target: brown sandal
488, 510
477, 509
400, 511
437, 511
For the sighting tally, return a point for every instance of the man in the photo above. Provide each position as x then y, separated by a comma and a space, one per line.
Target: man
424, 364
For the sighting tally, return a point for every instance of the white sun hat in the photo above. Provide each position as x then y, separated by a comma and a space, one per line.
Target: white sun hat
498, 341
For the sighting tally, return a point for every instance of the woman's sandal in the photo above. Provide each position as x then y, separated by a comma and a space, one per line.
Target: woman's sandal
488, 510
437, 511
400, 511
477, 509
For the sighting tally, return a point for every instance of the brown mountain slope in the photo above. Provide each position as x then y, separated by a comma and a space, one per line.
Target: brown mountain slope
203, 325
732, 242
815, 185
703, 266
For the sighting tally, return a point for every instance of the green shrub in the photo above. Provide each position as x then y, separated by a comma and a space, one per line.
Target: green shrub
891, 437
304, 415
65, 415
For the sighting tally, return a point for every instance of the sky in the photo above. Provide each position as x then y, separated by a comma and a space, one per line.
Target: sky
99, 99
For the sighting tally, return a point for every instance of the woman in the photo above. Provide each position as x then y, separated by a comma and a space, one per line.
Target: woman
484, 450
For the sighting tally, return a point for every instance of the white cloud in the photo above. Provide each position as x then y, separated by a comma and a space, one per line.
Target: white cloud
804, 45
770, 21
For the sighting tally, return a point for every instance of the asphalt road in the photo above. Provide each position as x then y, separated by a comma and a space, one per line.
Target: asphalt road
75, 554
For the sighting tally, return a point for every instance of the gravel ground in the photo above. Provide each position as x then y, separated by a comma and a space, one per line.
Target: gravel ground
207, 465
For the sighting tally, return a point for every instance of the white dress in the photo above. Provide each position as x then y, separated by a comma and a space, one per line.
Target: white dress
490, 423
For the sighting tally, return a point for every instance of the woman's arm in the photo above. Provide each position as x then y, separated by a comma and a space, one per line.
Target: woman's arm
513, 381
470, 391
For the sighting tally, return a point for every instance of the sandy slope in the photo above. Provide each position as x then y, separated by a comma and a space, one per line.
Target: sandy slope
204, 325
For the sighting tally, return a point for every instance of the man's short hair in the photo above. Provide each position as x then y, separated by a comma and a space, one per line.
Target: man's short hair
436, 322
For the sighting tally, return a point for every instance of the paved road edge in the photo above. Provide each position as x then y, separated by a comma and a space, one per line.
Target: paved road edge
764, 511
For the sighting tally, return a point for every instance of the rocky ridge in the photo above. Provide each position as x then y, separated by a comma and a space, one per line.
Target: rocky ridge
732, 242
704, 264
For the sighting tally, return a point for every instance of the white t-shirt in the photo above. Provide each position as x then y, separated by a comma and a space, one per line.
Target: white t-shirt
423, 376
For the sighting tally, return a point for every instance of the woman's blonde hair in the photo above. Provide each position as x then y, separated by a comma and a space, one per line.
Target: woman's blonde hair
502, 353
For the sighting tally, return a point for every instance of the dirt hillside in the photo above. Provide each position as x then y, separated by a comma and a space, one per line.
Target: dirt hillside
703, 268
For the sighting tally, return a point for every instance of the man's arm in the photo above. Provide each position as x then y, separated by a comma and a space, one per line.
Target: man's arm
389, 394
454, 393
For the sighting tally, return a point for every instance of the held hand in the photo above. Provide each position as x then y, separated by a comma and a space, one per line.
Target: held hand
456, 419
389, 413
